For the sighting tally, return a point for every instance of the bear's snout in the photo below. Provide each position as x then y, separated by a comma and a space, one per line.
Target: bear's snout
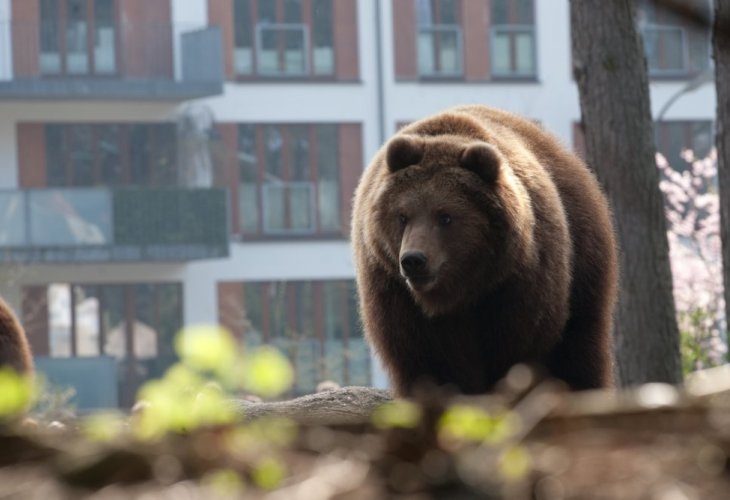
414, 264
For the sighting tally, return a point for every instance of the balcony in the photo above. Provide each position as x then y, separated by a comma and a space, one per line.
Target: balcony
140, 61
88, 225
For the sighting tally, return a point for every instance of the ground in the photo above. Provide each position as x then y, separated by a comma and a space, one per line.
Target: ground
530, 440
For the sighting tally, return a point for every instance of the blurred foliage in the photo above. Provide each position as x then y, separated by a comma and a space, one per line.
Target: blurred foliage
18, 392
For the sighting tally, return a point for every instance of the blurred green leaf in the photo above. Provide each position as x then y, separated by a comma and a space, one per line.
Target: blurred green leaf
268, 473
16, 392
266, 372
207, 348
399, 413
514, 463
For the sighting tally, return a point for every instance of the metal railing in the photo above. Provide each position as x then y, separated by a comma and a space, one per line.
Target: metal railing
120, 217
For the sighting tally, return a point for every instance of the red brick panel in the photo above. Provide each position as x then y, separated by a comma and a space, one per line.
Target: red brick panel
351, 167
579, 140
231, 312
26, 37
220, 13
35, 319
476, 21
404, 38
31, 155
345, 39
146, 38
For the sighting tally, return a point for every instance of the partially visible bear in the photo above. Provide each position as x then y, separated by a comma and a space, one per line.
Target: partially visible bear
14, 349
481, 242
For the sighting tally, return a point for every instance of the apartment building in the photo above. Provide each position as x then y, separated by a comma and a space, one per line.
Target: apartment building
172, 162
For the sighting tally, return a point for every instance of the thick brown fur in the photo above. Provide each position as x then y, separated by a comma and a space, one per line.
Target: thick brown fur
14, 348
519, 251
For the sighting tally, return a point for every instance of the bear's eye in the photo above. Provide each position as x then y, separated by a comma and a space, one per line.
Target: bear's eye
403, 219
444, 219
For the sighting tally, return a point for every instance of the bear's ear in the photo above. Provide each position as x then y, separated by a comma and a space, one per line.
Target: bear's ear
404, 151
483, 160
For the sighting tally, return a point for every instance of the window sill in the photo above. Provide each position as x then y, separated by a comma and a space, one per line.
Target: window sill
530, 80
288, 80
290, 238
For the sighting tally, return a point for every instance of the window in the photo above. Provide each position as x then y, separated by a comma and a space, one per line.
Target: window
135, 324
439, 38
289, 179
513, 38
314, 323
81, 155
674, 48
78, 37
673, 137
284, 38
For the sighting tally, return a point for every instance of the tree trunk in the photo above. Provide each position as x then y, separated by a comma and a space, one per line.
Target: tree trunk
721, 53
610, 69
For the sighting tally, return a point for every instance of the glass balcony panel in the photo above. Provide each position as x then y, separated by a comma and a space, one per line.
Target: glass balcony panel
12, 219
243, 60
77, 217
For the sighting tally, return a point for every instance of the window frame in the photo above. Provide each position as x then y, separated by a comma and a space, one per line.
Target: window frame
435, 25
513, 25
307, 25
286, 180
61, 25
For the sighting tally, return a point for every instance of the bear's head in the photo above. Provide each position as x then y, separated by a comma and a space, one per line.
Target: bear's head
454, 219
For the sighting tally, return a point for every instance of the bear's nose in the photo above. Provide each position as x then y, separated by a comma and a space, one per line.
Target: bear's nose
413, 263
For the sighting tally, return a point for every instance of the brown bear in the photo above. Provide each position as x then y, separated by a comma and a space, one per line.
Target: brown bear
481, 242
14, 348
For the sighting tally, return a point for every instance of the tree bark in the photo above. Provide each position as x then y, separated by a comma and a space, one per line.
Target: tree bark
721, 54
610, 69
346, 406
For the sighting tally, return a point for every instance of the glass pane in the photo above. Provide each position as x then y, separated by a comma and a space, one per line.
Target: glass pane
108, 139
501, 59
664, 49
334, 332
252, 314
169, 320
274, 208
328, 188
81, 155
87, 320
299, 153
59, 320
144, 336
500, 12
300, 199
525, 63
424, 12
243, 52
426, 54
113, 320
295, 61
293, 11
12, 219
140, 153
248, 203
55, 155
449, 52
50, 57
448, 11
323, 55
163, 159
104, 37
77, 57
274, 144
70, 217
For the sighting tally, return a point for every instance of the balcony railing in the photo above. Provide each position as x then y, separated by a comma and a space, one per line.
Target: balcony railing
440, 51
102, 225
135, 60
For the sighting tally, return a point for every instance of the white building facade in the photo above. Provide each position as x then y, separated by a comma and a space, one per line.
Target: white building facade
174, 162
